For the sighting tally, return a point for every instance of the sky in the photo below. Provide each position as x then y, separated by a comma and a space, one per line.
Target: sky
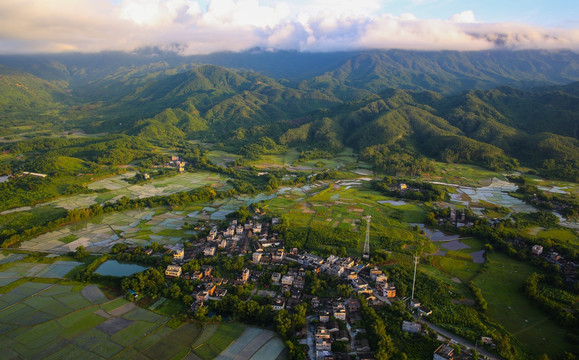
205, 26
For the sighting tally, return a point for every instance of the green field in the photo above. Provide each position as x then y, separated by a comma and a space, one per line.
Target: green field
501, 286
221, 338
50, 320
563, 235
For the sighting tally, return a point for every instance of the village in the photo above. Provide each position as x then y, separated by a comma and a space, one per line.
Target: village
334, 329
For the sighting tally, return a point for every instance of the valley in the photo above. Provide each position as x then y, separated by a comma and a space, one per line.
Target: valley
176, 165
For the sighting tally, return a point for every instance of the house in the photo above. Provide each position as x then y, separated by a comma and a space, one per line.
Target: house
207, 270
210, 288
332, 326
362, 345
537, 250
197, 275
278, 304
374, 273
322, 332
360, 286
424, 311
245, 274
256, 257
173, 271
323, 345
381, 278
354, 305
315, 302
278, 256
230, 231
299, 282
202, 296
444, 352
239, 229
178, 254
339, 311
296, 293
411, 327
212, 234
257, 228
219, 291
324, 316
210, 251
341, 335
248, 225
352, 275
386, 289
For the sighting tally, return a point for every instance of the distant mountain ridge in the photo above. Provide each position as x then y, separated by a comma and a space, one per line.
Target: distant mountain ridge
441, 71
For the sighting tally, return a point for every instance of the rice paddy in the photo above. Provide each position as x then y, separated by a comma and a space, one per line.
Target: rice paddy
57, 321
116, 187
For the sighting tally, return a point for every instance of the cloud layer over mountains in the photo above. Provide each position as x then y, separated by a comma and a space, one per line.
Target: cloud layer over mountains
28, 26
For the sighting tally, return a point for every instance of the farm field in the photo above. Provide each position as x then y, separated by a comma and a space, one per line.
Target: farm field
58, 320
508, 306
117, 187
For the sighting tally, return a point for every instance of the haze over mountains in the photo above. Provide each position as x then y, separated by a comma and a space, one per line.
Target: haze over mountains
493, 108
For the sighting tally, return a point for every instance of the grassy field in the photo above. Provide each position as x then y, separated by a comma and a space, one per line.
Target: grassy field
563, 235
508, 306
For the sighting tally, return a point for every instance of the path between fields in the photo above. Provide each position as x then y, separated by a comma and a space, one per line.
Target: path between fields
530, 326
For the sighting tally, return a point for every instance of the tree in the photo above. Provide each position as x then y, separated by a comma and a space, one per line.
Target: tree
80, 252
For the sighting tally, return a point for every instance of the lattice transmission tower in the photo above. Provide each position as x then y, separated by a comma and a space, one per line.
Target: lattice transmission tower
367, 242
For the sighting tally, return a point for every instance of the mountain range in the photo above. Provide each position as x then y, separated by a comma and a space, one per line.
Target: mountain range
397, 108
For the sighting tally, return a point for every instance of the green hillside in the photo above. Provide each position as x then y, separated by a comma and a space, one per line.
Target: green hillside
397, 108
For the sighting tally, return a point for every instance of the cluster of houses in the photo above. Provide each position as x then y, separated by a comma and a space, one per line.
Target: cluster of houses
456, 218
286, 290
567, 267
236, 239
331, 327
175, 162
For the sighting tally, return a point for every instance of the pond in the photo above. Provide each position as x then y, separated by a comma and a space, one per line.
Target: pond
115, 268
436, 235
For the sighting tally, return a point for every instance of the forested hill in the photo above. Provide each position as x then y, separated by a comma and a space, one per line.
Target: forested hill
498, 128
382, 103
21, 91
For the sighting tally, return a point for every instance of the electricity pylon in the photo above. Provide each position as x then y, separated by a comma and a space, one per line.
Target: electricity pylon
367, 242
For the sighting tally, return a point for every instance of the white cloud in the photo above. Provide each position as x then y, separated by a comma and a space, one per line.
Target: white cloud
463, 17
323, 25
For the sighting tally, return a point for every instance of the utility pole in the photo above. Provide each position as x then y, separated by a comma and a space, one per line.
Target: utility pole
367, 242
414, 279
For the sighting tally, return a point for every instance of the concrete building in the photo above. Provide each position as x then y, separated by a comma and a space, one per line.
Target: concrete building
173, 271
